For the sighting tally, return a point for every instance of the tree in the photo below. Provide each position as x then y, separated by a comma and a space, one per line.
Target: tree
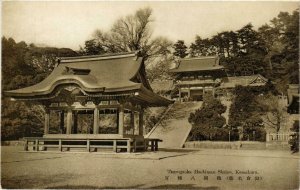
274, 110
245, 113
273, 46
160, 70
20, 119
202, 47
207, 122
241, 52
180, 49
250, 41
44, 59
281, 37
22, 66
131, 33
91, 47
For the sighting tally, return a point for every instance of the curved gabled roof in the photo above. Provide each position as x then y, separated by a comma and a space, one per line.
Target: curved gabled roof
110, 74
103, 75
93, 74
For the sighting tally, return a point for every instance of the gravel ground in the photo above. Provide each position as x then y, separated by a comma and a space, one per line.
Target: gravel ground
182, 169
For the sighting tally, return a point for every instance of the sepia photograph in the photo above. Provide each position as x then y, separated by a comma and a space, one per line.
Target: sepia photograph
150, 95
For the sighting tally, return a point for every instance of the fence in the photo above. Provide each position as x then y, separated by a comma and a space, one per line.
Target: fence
274, 137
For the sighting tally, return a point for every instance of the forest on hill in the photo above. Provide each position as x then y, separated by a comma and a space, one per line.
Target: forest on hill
272, 51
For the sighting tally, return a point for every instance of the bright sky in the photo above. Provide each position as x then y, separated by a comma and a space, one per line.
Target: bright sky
69, 24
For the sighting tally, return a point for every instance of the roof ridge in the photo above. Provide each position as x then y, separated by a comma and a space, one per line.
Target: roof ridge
202, 57
98, 57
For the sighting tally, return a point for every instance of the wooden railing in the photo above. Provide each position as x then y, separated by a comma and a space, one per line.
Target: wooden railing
61, 144
271, 137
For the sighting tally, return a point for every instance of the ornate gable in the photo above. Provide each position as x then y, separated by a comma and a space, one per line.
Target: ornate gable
258, 80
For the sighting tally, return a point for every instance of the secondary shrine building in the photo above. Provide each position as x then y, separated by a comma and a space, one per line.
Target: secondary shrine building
196, 76
98, 102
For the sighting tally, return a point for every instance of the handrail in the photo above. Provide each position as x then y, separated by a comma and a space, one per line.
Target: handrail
160, 120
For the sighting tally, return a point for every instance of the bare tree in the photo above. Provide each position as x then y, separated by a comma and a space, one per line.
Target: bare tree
275, 111
133, 33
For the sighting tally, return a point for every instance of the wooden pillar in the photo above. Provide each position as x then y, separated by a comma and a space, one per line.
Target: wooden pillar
47, 121
59, 145
26, 145
121, 120
88, 145
96, 121
36, 145
134, 145
136, 123
156, 146
132, 121
115, 145
69, 121
141, 122
128, 145
62, 121
75, 128
189, 94
152, 145
146, 144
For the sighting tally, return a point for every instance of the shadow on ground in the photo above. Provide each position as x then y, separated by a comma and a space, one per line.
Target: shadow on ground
179, 150
29, 182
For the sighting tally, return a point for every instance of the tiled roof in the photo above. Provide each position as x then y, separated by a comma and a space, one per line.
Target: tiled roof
197, 64
112, 74
252, 80
108, 74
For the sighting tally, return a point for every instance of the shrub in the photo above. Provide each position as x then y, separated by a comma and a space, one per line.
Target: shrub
294, 141
207, 122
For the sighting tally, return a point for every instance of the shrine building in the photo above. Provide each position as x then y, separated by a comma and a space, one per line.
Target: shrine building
196, 76
97, 86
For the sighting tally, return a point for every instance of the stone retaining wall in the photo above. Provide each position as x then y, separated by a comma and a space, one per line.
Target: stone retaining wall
213, 144
246, 145
12, 143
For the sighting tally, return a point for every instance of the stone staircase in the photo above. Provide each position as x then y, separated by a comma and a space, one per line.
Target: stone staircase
174, 128
226, 103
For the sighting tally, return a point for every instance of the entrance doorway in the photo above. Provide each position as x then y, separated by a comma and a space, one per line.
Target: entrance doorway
197, 95
83, 122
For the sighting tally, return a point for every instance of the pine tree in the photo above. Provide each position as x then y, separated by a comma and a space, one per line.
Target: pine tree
180, 49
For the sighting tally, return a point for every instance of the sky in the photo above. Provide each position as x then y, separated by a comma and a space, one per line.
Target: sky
70, 23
